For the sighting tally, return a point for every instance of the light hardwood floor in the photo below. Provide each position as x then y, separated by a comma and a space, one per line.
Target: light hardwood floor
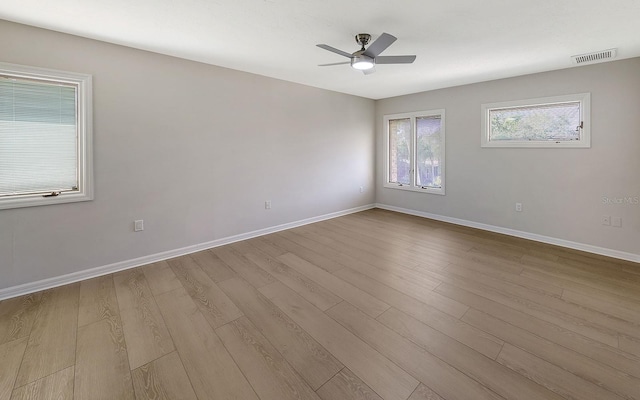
373, 305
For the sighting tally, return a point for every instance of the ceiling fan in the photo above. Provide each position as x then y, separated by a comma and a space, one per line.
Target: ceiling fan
366, 59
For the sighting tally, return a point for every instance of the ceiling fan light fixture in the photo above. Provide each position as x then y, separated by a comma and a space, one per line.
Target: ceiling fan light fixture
362, 62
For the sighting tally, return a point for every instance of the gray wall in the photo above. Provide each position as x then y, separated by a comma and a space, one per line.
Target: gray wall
195, 150
192, 149
562, 190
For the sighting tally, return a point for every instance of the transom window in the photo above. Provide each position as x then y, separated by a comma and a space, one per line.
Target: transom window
45, 136
561, 121
415, 151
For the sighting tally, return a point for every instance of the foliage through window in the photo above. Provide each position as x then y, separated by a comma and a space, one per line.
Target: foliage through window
415, 151
550, 122
45, 137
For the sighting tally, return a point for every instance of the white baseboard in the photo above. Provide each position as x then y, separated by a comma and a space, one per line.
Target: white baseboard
56, 281
521, 234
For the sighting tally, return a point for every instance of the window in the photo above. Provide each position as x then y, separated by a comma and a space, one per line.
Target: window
45, 137
561, 121
415, 151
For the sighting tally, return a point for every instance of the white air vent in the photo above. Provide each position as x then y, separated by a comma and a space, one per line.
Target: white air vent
598, 56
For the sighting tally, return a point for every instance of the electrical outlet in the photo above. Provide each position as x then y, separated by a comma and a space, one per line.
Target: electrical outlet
616, 221
267, 205
361, 189
519, 207
606, 220
138, 225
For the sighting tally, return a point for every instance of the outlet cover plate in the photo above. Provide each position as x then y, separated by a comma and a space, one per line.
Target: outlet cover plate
138, 225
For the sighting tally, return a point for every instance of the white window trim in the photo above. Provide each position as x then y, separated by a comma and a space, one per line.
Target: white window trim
84, 83
412, 186
585, 132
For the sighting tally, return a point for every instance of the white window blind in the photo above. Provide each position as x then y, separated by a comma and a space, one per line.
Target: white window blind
38, 136
46, 136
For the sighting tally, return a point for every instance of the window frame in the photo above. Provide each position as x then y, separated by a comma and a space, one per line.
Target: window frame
84, 113
412, 186
585, 116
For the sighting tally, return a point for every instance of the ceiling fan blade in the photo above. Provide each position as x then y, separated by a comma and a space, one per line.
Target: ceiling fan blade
334, 50
395, 59
368, 71
385, 40
340, 63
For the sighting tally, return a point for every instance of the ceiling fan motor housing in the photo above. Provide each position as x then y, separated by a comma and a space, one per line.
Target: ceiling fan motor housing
363, 39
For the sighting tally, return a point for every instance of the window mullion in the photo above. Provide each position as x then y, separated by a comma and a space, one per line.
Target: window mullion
413, 151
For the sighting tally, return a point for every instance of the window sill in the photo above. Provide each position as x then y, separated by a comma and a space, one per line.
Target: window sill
409, 188
38, 200
575, 144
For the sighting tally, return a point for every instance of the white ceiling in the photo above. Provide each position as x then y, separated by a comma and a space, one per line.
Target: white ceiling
456, 41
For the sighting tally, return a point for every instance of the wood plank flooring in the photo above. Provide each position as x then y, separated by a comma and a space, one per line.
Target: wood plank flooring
370, 306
